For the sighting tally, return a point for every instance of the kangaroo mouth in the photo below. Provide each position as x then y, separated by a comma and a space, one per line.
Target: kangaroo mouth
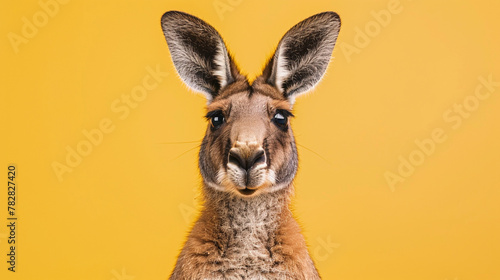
246, 191
246, 180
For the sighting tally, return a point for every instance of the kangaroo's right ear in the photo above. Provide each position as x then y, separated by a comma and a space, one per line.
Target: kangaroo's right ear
199, 53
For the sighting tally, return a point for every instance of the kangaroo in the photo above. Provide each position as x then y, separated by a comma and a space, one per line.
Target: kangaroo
248, 157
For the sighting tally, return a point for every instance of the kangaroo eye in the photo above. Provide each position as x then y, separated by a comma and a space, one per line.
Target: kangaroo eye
281, 119
217, 120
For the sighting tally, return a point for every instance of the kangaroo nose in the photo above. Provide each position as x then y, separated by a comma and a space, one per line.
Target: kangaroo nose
246, 160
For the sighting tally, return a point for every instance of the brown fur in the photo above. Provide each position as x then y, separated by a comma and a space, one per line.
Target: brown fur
209, 252
212, 249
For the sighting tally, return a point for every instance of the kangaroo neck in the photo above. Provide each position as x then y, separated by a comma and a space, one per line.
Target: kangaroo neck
241, 219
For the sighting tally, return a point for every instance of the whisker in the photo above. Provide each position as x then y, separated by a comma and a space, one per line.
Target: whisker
181, 142
195, 147
318, 155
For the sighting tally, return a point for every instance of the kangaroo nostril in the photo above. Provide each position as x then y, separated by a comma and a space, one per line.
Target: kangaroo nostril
246, 163
259, 157
236, 159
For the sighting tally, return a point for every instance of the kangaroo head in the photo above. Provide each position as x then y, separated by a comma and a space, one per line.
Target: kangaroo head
249, 146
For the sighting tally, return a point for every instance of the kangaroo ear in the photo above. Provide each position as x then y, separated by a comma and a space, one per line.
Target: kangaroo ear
303, 54
198, 52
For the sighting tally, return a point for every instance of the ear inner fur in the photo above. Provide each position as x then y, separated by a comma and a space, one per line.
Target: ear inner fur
302, 55
199, 54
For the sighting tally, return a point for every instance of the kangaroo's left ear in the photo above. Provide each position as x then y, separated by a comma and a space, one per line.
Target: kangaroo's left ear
302, 55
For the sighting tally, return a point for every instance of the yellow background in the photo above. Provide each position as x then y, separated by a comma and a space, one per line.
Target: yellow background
124, 211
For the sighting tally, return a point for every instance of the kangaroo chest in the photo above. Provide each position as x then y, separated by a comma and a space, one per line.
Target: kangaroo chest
248, 239
238, 238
